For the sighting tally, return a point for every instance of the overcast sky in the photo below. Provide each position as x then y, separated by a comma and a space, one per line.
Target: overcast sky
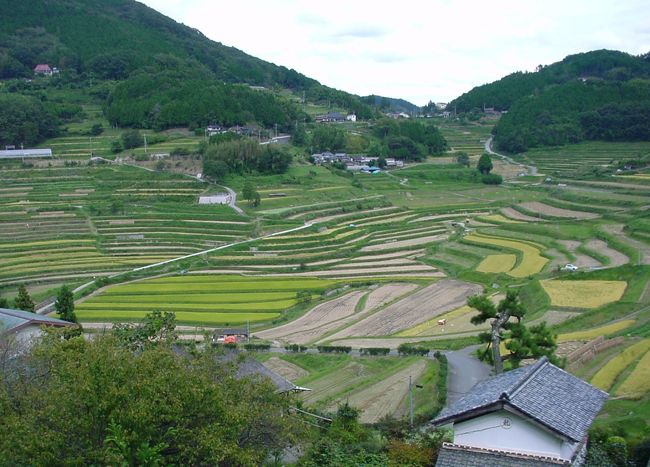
419, 50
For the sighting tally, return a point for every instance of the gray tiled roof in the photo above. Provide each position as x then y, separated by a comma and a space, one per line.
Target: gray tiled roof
542, 391
12, 319
456, 456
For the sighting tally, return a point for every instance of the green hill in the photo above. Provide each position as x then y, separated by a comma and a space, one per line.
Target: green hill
598, 95
156, 72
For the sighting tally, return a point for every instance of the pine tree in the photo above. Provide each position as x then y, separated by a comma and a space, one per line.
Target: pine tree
64, 304
485, 164
23, 301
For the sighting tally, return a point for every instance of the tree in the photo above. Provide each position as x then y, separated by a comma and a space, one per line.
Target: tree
110, 405
381, 162
484, 164
462, 159
131, 139
4, 303
23, 301
520, 341
64, 304
156, 327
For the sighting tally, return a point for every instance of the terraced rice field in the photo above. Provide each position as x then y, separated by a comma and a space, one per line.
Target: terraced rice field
552, 211
499, 219
531, 260
583, 293
497, 263
86, 221
571, 160
638, 382
607, 375
589, 334
199, 299
416, 308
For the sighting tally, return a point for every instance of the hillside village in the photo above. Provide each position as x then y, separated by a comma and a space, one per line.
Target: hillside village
225, 262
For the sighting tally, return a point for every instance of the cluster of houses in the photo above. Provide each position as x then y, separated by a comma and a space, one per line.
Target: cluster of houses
335, 117
358, 163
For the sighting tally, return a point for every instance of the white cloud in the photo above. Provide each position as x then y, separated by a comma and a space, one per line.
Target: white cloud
415, 49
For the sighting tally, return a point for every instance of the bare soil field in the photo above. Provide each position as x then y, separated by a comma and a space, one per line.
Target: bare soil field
616, 258
384, 398
346, 214
389, 342
316, 322
582, 261
398, 254
545, 209
405, 243
285, 369
417, 267
323, 388
516, 215
419, 307
387, 293
617, 229
553, 317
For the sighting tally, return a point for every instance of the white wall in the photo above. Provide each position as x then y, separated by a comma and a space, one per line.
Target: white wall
492, 431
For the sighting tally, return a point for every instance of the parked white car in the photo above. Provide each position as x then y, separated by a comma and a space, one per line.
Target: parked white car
570, 267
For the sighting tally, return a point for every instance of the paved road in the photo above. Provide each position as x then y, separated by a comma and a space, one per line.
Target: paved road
532, 170
233, 200
465, 370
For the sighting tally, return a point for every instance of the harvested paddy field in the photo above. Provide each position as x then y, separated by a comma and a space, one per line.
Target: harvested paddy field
552, 211
285, 369
583, 293
516, 215
582, 260
387, 293
316, 322
417, 308
405, 243
384, 398
616, 258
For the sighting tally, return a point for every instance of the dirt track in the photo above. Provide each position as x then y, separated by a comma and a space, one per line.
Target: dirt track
545, 209
421, 306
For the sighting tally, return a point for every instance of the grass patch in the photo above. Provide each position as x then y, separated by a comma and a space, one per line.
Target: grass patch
531, 263
638, 382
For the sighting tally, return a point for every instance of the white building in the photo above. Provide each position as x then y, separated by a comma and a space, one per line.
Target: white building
351, 118
537, 415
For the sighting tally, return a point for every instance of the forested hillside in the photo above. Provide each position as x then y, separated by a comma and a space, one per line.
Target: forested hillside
158, 73
599, 95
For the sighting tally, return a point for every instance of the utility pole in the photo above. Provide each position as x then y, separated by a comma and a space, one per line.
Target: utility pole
410, 402
145, 143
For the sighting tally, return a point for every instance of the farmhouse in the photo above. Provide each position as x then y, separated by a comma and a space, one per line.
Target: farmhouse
335, 117
230, 335
537, 415
25, 326
44, 69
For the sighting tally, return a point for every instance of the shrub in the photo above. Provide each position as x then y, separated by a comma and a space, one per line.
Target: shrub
406, 349
375, 351
492, 179
258, 347
295, 348
334, 349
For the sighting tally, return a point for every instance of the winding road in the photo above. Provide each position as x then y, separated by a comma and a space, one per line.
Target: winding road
532, 170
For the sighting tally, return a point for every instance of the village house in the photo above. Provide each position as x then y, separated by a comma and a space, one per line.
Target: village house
353, 162
538, 415
44, 69
24, 326
332, 117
